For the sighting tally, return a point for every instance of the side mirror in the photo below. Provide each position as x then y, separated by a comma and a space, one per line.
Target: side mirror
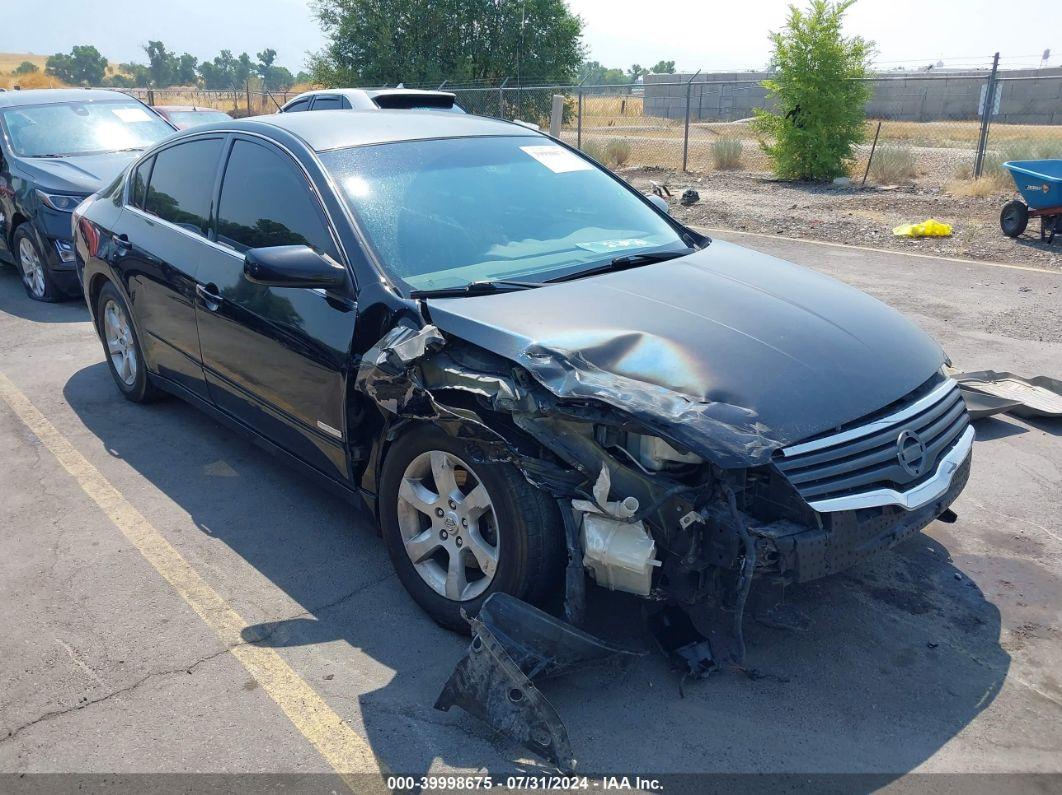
292, 266
661, 204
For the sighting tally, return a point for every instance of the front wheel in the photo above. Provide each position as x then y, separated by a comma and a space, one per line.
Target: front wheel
1014, 218
458, 531
32, 267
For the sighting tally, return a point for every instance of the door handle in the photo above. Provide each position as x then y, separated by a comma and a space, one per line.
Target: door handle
209, 294
121, 241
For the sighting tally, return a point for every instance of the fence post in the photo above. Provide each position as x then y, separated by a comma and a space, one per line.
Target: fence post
686, 127
579, 124
986, 118
556, 115
501, 99
151, 96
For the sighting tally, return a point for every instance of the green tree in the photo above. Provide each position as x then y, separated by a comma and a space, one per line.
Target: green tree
819, 96
119, 81
162, 64
636, 71
593, 73
428, 41
83, 66
186, 68
25, 68
220, 74
138, 74
663, 68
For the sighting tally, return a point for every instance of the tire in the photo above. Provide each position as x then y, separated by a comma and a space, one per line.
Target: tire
1013, 218
121, 347
521, 525
33, 267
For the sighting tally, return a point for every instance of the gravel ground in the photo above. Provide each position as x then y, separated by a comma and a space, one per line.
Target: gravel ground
864, 217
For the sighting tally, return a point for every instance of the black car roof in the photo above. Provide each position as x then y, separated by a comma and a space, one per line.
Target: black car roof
49, 96
337, 129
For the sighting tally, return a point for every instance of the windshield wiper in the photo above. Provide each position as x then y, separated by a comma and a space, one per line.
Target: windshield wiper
475, 288
623, 263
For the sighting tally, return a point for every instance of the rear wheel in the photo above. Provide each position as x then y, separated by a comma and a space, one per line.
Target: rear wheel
458, 531
125, 358
1014, 218
31, 266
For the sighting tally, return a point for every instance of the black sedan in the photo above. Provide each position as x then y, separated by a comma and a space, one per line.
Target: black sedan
528, 370
57, 146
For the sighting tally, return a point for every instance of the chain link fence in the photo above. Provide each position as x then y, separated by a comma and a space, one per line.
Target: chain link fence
936, 130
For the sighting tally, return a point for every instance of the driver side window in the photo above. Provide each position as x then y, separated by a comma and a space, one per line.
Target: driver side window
265, 202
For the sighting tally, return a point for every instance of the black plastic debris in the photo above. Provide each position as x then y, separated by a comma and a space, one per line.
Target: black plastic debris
1040, 396
687, 650
514, 643
688, 197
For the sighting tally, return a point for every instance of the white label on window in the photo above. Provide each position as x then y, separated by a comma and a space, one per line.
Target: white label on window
556, 159
131, 114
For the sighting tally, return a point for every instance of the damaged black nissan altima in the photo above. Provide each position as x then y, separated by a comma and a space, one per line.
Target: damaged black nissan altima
532, 374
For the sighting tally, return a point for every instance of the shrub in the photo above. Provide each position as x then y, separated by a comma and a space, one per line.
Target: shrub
1016, 150
613, 153
726, 153
617, 153
819, 99
892, 164
594, 149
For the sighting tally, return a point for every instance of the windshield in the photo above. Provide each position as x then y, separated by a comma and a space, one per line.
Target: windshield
190, 118
444, 213
81, 128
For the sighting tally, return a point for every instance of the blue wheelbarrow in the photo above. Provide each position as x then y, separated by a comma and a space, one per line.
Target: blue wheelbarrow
1040, 184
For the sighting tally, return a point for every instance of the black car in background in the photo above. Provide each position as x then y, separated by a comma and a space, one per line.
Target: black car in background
57, 146
528, 370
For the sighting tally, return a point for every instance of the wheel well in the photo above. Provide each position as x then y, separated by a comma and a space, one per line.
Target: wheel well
95, 286
16, 221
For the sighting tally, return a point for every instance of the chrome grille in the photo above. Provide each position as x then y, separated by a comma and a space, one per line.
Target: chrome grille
885, 457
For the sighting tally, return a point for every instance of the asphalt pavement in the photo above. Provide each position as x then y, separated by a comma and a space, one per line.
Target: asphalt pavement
173, 600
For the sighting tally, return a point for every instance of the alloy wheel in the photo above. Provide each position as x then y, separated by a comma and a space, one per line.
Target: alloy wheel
32, 267
449, 526
121, 347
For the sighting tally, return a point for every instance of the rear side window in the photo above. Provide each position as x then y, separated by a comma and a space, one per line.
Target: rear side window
182, 183
266, 202
302, 104
138, 184
328, 103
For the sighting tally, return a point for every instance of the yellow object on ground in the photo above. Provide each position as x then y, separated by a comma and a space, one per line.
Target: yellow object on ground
928, 228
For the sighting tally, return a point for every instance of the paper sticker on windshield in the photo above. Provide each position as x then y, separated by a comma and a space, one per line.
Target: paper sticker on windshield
608, 246
131, 114
556, 159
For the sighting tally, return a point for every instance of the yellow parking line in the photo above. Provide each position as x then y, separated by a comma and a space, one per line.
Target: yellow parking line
345, 750
957, 260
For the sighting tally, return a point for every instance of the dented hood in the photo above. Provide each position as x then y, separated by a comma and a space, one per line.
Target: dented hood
731, 352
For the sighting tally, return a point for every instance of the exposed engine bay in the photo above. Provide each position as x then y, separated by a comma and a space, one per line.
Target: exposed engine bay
646, 509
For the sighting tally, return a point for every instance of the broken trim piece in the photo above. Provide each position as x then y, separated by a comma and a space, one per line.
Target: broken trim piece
1040, 396
514, 643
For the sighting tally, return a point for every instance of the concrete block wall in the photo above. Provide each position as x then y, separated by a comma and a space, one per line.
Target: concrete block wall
1027, 96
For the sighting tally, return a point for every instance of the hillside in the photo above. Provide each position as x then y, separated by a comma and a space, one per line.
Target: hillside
9, 61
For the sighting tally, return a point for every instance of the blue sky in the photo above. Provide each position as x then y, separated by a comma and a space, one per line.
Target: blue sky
712, 34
